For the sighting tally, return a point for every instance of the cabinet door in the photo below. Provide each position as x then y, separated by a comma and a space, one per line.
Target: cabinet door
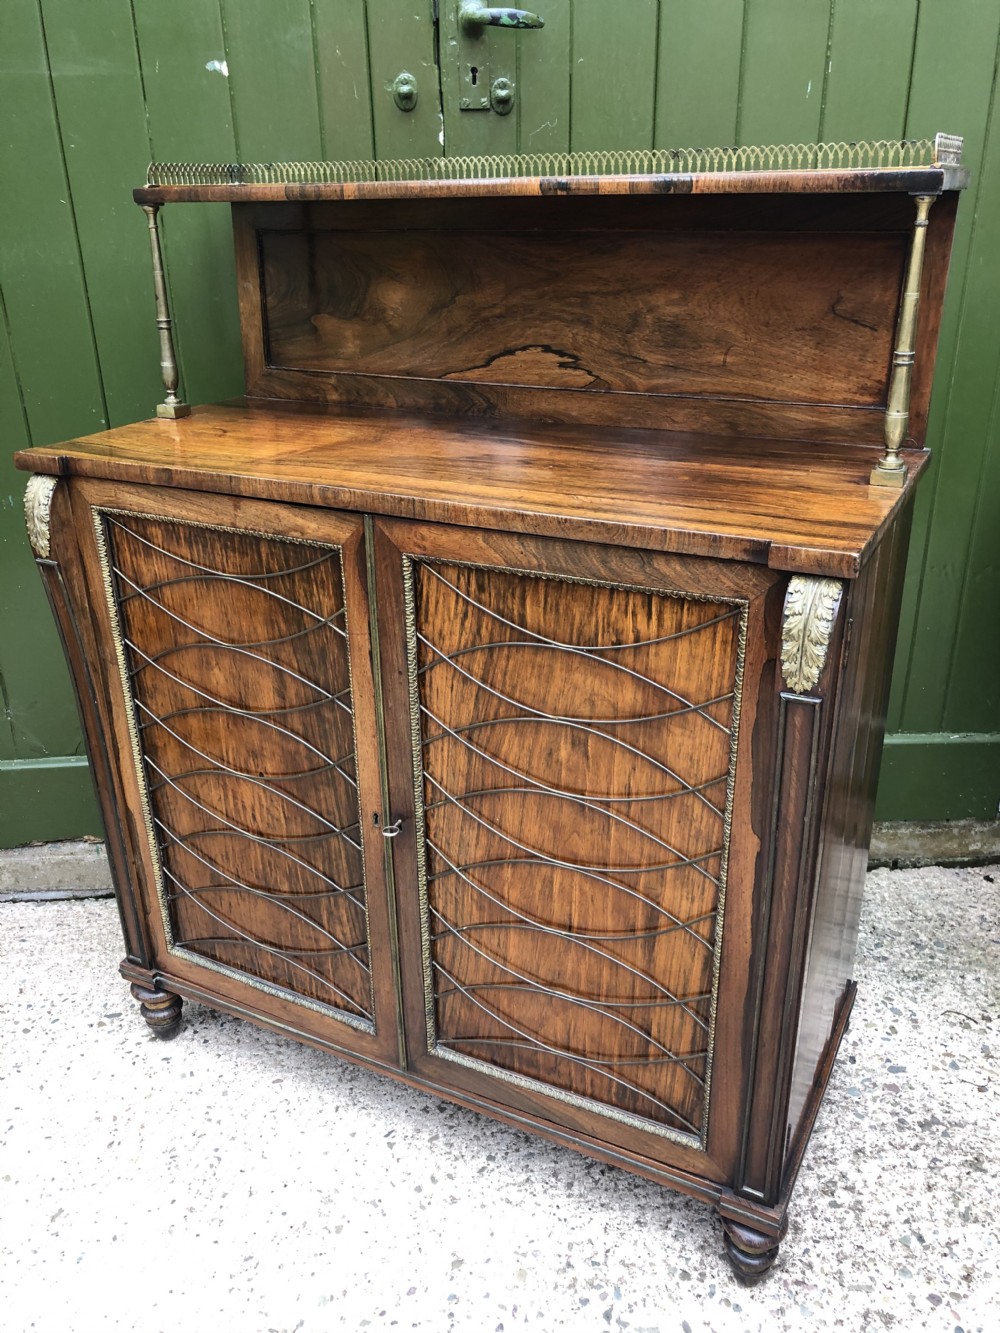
235, 643
574, 892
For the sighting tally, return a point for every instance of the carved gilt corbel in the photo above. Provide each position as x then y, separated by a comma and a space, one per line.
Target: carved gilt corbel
37, 505
811, 606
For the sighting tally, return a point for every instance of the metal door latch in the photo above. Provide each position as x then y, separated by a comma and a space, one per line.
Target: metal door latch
392, 830
502, 96
404, 91
473, 16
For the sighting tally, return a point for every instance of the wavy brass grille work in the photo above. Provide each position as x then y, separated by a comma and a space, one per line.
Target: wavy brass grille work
234, 656
575, 745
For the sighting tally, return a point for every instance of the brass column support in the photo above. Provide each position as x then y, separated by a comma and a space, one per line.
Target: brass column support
890, 470
172, 406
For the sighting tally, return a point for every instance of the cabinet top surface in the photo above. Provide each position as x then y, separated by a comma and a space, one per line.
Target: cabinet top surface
751, 500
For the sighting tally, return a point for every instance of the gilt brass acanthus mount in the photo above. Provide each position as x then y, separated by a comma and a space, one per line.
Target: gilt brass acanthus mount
37, 506
811, 606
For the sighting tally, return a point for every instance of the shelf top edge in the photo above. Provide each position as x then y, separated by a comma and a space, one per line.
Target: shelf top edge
909, 166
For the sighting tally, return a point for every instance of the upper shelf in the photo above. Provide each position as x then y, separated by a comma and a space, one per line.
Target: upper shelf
913, 166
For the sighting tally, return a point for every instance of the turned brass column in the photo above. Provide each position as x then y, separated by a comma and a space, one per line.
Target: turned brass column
172, 406
890, 470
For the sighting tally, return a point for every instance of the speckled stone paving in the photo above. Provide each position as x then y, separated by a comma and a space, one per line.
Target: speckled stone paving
236, 1182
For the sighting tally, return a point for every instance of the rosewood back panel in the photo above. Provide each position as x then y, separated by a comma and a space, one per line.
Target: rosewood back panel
714, 314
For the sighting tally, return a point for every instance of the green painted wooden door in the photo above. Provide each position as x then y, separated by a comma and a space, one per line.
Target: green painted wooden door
92, 92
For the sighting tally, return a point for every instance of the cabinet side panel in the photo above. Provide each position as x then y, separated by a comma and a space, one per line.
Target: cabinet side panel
235, 664
847, 820
576, 746
54, 539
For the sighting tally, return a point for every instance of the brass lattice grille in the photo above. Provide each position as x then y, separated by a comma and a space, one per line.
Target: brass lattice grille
575, 747
885, 155
234, 657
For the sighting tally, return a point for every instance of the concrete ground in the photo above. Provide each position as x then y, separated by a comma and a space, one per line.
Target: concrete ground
237, 1182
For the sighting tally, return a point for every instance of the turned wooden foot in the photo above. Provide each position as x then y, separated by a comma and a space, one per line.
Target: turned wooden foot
750, 1252
160, 1008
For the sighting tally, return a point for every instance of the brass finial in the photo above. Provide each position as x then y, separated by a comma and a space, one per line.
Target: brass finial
948, 150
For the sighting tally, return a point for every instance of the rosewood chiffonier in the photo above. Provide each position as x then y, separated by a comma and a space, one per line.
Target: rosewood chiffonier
494, 695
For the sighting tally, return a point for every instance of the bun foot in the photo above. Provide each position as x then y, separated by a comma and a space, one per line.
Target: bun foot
751, 1253
160, 1008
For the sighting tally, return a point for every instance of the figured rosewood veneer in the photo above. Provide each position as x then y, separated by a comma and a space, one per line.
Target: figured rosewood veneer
494, 696
485, 307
